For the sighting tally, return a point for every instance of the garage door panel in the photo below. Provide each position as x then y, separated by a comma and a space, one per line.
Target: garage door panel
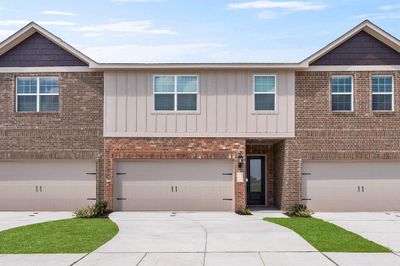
352, 186
174, 185
47, 185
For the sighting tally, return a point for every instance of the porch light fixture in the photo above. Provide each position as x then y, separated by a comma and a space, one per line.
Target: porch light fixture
240, 160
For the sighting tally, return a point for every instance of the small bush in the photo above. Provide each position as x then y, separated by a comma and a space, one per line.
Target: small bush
93, 211
300, 210
244, 211
100, 208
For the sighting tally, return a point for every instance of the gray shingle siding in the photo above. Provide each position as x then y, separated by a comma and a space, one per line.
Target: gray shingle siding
38, 51
361, 49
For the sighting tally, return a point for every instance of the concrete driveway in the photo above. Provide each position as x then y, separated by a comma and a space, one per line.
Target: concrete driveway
380, 227
202, 238
15, 219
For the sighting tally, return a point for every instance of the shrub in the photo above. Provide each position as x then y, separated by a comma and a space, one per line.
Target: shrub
100, 207
93, 211
300, 210
244, 211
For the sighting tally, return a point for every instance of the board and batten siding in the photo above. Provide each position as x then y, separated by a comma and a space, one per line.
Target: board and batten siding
225, 106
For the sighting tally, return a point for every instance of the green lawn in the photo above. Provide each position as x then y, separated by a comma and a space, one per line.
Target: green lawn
327, 237
64, 236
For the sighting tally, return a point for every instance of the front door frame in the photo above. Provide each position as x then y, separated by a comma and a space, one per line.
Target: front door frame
263, 177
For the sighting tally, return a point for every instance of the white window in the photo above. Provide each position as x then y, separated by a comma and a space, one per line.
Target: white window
264, 88
382, 93
175, 92
37, 94
342, 93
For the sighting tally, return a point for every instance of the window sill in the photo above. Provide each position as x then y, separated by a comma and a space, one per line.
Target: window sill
37, 113
175, 113
383, 112
264, 113
342, 112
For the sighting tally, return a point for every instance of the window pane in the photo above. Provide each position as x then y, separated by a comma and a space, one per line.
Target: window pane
49, 103
264, 102
48, 85
26, 103
164, 102
26, 85
187, 84
341, 84
382, 102
187, 102
164, 84
382, 84
341, 102
264, 83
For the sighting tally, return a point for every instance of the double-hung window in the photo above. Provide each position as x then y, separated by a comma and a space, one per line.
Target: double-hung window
264, 88
342, 93
37, 94
175, 92
382, 93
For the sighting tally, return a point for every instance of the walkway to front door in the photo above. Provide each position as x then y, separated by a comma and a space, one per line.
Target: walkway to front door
256, 180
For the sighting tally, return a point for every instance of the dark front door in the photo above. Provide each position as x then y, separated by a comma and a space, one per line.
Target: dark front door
256, 180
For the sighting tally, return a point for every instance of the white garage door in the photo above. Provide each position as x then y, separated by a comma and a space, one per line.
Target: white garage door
47, 185
186, 185
352, 186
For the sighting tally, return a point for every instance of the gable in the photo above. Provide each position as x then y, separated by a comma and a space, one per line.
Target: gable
38, 51
361, 49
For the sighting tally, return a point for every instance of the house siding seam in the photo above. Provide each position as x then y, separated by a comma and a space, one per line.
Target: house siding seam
324, 135
75, 132
171, 148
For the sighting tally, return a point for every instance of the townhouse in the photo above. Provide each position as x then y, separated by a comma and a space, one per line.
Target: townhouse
200, 137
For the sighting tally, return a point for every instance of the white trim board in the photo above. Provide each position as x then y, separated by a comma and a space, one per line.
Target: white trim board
44, 69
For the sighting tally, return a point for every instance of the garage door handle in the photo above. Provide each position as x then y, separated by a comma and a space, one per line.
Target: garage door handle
91, 199
121, 198
176, 189
226, 199
362, 188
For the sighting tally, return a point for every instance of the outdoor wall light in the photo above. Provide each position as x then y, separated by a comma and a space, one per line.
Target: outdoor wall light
240, 160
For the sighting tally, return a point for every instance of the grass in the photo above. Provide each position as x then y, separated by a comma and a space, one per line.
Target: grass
63, 236
327, 237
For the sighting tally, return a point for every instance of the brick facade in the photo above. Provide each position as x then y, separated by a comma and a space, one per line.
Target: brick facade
75, 132
171, 148
324, 135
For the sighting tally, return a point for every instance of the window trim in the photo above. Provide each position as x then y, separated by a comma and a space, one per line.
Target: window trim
275, 93
176, 93
37, 94
342, 93
382, 93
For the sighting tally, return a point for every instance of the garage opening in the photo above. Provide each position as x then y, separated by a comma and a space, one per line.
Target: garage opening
174, 185
47, 185
352, 186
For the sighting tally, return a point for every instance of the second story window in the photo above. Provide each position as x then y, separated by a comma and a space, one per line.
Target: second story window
264, 92
175, 92
37, 94
382, 93
342, 93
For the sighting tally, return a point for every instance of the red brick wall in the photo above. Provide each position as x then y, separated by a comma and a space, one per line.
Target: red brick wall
75, 132
171, 148
324, 135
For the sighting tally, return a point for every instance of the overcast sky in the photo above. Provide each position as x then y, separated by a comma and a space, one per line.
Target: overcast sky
198, 30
